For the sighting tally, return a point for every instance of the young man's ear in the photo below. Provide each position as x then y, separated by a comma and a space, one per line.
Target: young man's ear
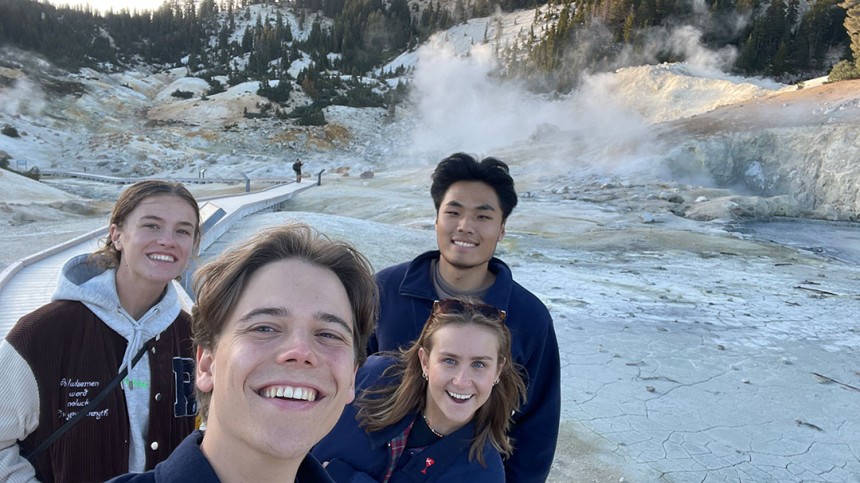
352, 387
205, 375
502, 232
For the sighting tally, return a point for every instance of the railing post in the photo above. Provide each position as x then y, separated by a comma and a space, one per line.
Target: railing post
319, 177
247, 183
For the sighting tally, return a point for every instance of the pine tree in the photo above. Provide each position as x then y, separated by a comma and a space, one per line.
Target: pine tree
852, 25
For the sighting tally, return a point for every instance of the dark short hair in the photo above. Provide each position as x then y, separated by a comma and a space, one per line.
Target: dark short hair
220, 282
108, 256
464, 167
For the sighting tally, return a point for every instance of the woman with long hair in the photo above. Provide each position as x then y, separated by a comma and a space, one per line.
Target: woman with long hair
439, 410
114, 310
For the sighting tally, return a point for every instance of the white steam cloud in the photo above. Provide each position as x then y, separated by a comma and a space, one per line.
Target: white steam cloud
683, 42
606, 126
462, 106
21, 97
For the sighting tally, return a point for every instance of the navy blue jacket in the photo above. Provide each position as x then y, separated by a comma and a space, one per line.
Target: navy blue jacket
187, 464
407, 294
356, 456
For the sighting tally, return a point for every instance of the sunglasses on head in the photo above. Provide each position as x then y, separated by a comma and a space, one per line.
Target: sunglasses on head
454, 306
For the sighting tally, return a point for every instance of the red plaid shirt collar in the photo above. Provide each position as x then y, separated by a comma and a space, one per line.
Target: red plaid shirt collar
395, 448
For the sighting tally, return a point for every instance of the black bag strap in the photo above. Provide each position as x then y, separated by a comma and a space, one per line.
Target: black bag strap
83, 412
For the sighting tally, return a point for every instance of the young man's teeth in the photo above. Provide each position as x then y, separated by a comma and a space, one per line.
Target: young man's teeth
162, 258
287, 392
464, 244
459, 396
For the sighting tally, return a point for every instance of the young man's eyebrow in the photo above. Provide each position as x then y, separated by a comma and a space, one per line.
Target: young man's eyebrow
270, 311
334, 319
457, 204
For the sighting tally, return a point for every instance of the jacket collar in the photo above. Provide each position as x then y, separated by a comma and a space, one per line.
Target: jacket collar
187, 463
418, 280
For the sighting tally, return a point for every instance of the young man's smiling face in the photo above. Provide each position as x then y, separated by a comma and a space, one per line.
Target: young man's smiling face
284, 365
469, 224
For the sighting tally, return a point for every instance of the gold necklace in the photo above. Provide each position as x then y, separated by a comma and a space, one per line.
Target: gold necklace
437, 433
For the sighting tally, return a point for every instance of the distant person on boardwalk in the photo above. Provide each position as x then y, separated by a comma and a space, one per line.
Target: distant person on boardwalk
473, 200
114, 310
438, 411
280, 325
297, 168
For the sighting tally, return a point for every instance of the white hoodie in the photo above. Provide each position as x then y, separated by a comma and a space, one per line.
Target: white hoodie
95, 287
